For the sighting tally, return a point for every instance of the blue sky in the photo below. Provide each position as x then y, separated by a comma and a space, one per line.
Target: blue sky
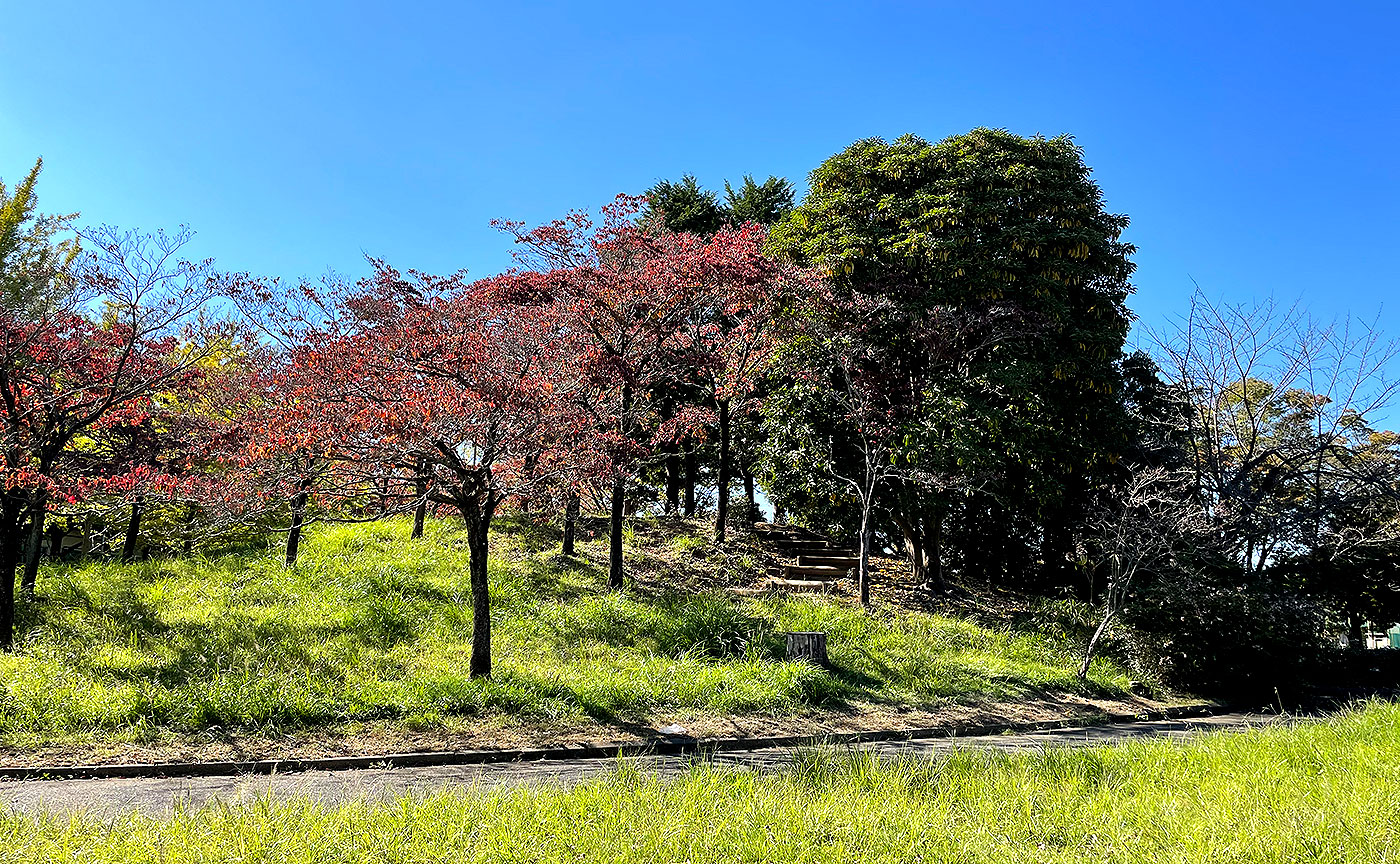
1253, 144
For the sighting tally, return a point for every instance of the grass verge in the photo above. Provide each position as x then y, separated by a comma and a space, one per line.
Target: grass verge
1318, 792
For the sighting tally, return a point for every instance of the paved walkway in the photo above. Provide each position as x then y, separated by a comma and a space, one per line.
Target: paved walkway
159, 796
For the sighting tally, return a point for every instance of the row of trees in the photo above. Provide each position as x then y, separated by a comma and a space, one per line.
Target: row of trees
927, 354
131, 379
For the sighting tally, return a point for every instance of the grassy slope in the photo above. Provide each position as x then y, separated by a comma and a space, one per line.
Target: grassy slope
371, 627
1316, 793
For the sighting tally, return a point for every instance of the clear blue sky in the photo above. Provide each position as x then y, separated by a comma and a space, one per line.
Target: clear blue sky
1253, 145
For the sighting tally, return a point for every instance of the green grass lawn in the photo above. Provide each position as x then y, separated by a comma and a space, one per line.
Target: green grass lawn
371, 627
1323, 792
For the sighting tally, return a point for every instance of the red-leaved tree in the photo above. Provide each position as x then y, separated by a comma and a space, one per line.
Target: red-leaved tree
461, 383
102, 347
728, 336
644, 312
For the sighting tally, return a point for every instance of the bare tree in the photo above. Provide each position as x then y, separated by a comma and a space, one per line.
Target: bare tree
1139, 530
1278, 422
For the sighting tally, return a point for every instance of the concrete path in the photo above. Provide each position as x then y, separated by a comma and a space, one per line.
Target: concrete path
160, 796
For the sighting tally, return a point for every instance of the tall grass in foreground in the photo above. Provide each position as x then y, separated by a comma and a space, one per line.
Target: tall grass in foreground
373, 627
1321, 792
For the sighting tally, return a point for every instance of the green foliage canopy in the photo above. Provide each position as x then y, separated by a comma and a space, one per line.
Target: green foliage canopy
1009, 232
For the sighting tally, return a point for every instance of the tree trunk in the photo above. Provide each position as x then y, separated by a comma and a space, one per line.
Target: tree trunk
919, 527
11, 539
532, 463
298, 519
615, 534
673, 481
188, 528
133, 530
381, 488
57, 535
915, 550
478, 544
863, 574
570, 524
751, 494
35, 550
1094, 641
619, 489
420, 488
1119, 577
689, 480
722, 487
911, 530
934, 553
1355, 639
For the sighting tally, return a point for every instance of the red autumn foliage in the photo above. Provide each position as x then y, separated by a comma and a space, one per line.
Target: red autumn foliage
103, 359
654, 312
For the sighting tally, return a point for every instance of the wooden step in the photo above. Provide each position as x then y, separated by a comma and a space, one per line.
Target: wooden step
814, 585
750, 592
794, 531
810, 554
828, 561
814, 546
824, 574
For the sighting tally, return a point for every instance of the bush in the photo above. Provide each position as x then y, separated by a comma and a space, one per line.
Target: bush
1219, 630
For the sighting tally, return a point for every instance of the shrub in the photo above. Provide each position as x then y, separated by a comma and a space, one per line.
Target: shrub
1220, 630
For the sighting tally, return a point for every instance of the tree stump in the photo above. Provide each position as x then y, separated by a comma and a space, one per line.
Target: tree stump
807, 646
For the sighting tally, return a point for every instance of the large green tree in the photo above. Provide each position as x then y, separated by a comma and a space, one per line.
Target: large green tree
1009, 235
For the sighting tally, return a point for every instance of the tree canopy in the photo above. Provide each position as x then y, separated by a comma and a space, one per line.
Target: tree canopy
1009, 235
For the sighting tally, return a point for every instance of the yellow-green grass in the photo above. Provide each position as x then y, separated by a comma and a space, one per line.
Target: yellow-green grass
373, 627
1323, 792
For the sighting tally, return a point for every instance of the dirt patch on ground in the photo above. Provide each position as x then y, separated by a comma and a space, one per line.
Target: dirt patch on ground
506, 733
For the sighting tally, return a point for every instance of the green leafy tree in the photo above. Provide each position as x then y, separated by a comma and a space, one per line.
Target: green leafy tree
841, 420
1011, 233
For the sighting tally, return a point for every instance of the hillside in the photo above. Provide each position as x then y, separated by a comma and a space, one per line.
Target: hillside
362, 648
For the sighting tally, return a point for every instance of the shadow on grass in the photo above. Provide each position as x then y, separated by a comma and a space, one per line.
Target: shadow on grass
671, 624
121, 610
535, 533
555, 577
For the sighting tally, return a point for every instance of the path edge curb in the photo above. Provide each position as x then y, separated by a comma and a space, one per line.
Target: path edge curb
676, 746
